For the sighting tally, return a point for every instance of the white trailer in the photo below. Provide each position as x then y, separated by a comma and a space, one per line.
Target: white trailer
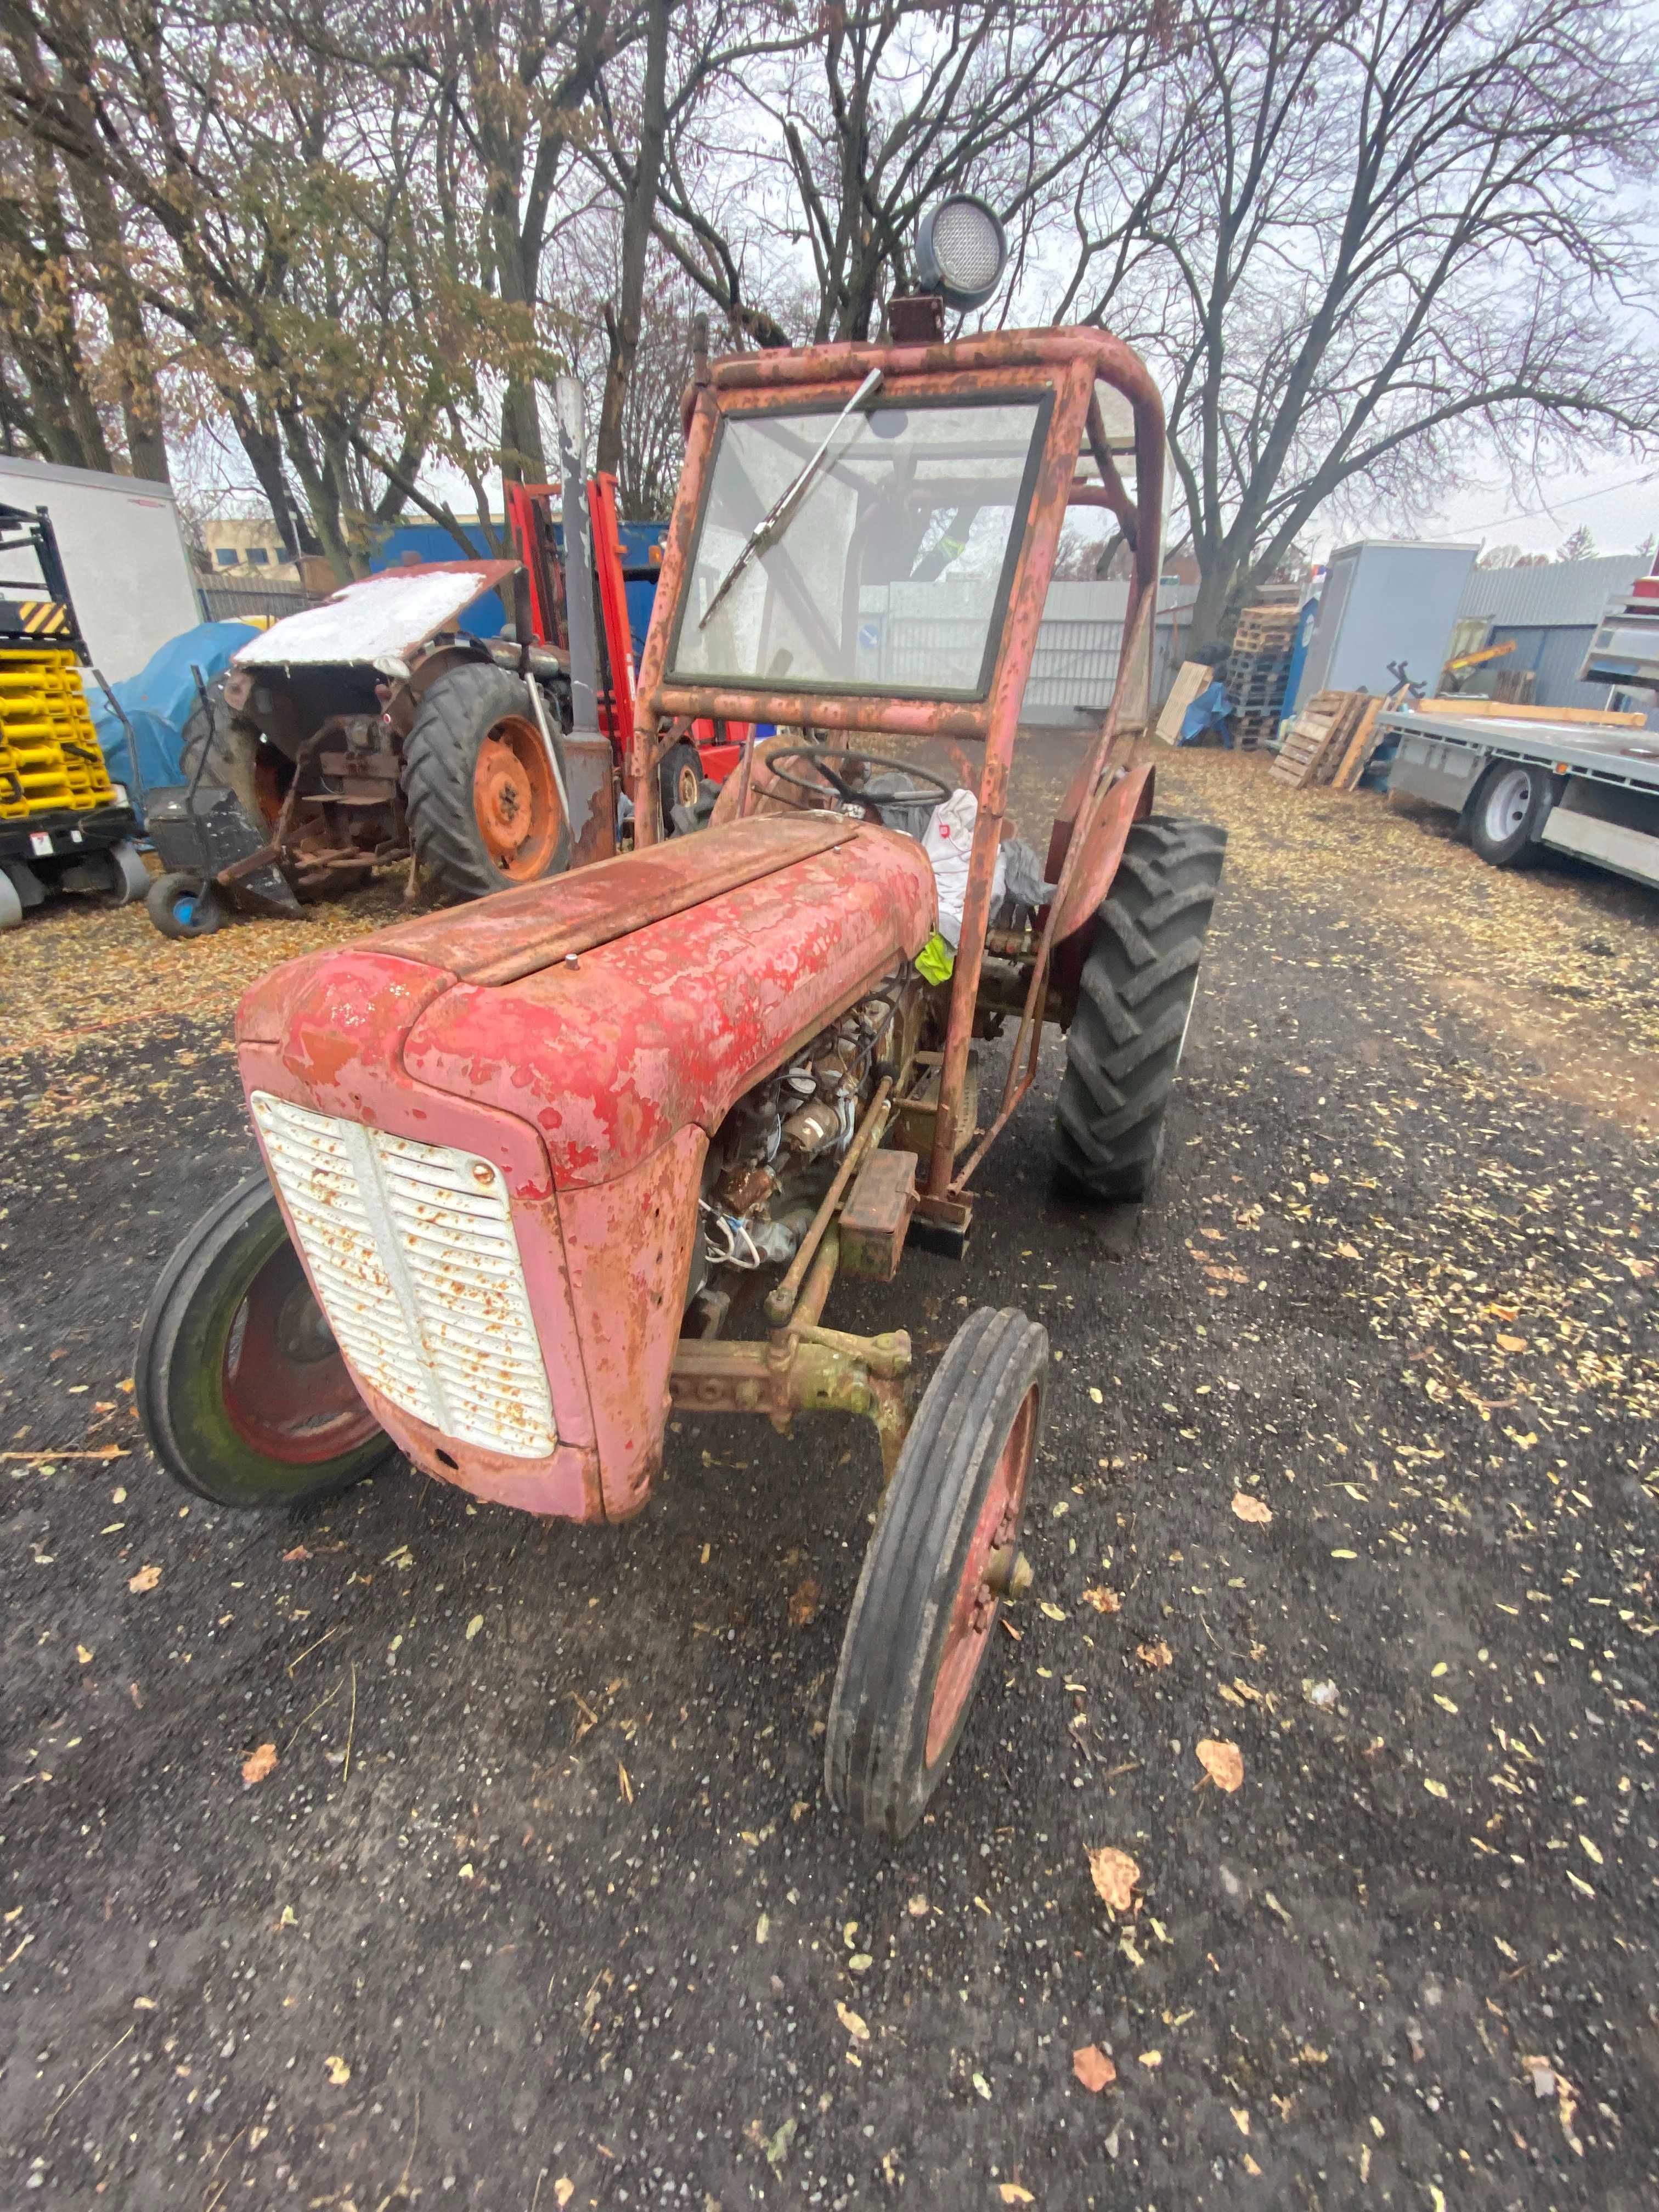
1579, 787
123, 553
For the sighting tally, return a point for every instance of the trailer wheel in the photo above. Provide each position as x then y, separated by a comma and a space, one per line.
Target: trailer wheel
1508, 802
11, 903
181, 905
244, 1394
1134, 1002
237, 756
484, 812
941, 1556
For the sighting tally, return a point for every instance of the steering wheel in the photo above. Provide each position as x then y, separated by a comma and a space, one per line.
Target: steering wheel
926, 788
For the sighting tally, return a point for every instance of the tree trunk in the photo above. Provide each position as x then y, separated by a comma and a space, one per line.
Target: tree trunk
141, 398
638, 211
264, 454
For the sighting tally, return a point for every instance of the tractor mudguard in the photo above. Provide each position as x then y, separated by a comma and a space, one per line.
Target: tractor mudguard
199, 832
486, 1129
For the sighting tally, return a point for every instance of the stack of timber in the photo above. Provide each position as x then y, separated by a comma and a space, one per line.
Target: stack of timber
1259, 662
1330, 740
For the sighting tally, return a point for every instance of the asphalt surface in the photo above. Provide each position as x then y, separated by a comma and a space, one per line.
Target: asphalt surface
543, 1903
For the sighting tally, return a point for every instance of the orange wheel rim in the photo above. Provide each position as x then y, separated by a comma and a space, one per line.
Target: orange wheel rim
515, 800
976, 1605
690, 785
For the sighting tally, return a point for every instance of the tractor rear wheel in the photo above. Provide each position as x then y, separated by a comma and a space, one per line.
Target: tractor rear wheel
484, 810
244, 1395
237, 756
942, 1557
1134, 1003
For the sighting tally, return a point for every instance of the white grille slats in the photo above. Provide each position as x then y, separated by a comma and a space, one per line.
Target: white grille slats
411, 1247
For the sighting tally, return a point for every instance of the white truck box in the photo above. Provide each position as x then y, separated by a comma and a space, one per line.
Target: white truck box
123, 552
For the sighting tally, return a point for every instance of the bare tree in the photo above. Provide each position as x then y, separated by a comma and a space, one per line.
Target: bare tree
1357, 241
820, 154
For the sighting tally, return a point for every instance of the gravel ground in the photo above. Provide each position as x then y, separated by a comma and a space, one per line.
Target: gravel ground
1349, 1465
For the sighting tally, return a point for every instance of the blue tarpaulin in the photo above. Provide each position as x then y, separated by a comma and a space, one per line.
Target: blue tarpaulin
158, 701
1211, 711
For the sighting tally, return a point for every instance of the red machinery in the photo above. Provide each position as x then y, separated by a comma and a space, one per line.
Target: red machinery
707, 750
529, 1162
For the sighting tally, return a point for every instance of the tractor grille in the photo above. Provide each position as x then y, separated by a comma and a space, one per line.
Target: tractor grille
411, 1250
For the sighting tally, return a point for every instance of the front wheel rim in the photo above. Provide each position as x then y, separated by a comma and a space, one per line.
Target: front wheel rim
975, 1603
1508, 804
515, 800
285, 1389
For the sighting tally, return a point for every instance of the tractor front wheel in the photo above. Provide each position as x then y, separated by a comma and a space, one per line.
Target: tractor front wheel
245, 1397
484, 809
938, 1564
1135, 1000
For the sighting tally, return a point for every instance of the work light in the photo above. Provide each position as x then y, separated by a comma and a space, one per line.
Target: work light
961, 250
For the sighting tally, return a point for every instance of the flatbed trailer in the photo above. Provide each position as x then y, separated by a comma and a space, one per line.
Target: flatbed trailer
1575, 786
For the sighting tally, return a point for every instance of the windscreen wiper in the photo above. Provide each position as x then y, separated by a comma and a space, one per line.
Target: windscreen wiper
778, 517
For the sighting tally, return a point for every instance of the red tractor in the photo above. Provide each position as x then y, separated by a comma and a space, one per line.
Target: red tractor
374, 726
528, 1161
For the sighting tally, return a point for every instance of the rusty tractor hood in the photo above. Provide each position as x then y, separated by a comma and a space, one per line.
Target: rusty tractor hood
611, 1007
377, 619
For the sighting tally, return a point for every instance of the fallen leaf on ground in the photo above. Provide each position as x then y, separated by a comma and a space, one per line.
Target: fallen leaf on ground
1152, 2060
1093, 2068
918, 1908
1013, 2194
1154, 1655
1511, 1343
803, 1603
1241, 2119
298, 1552
1101, 1599
563, 2190
337, 2072
855, 2026
1246, 1508
1223, 1762
1115, 1875
258, 1763
1435, 1789
83, 1655
474, 1625
145, 1579
1053, 1612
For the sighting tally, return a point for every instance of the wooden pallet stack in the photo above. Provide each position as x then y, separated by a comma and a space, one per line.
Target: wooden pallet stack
1259, 662
1330, 740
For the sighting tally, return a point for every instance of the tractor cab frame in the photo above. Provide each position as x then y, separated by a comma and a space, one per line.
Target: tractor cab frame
1061, 376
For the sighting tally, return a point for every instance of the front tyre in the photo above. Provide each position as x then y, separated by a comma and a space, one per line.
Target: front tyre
1134, 1002
940, 1558
244, 1395
484, 810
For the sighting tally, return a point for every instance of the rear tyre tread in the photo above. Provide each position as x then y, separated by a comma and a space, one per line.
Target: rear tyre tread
1136, 995
439, 756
